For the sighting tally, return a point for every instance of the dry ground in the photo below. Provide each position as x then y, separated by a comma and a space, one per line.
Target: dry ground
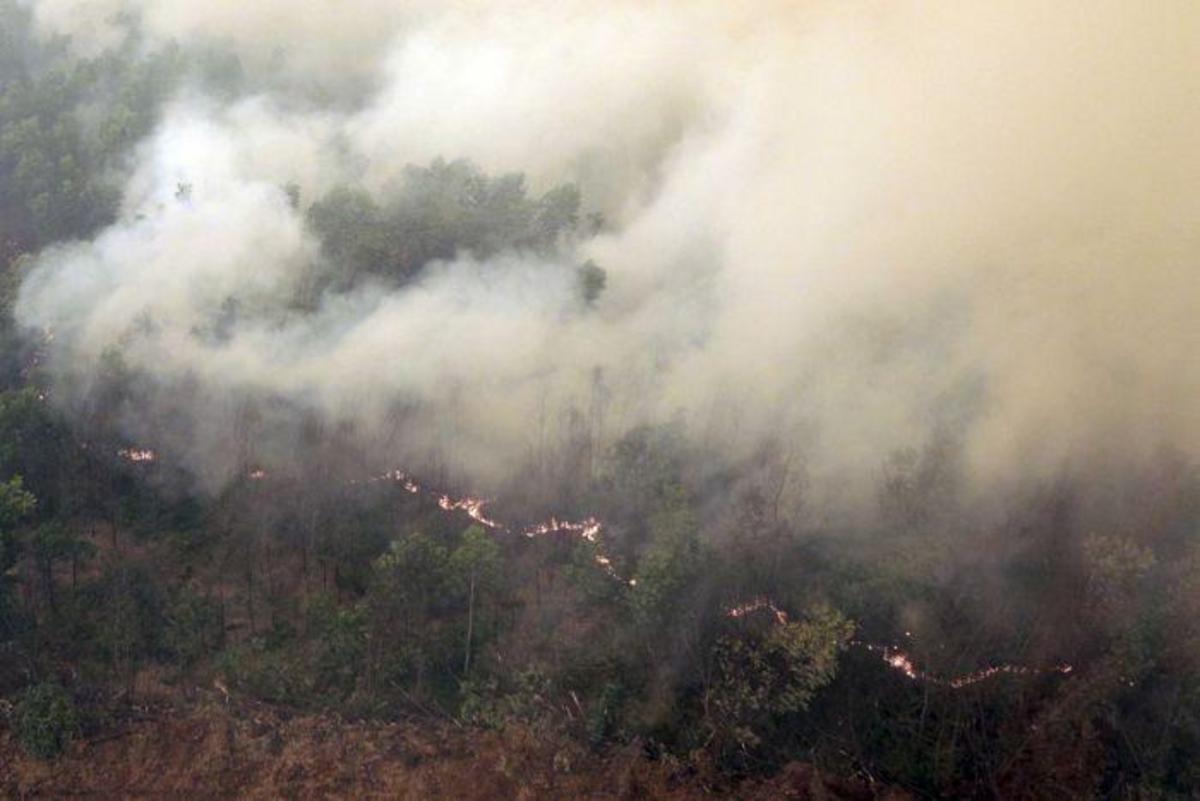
210, 751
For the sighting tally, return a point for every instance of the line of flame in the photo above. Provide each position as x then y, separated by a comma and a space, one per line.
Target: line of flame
138, 454
898, 659
587, 529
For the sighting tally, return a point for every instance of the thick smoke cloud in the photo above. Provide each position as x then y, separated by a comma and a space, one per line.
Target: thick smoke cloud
854, 226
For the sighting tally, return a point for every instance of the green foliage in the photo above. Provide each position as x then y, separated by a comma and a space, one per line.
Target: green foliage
644, 470
417, 615
193, 627
320, 667
15, 503
45, 720
63, 124
476, 560
598, 587
131, 628
476, 564
50, 181
34, 444
669, 564
764, 673
338, 638
526, 699
604, 712
54, 542
268, 674
437, 212
412, 604
414, 572
353, 233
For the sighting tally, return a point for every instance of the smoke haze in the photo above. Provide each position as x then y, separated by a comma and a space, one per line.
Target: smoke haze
852, 227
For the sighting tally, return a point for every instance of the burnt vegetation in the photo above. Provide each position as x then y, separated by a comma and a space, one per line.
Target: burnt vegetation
710, 619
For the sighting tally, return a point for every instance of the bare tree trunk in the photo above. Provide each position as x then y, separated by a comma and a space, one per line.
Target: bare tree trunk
221, 601
470, 625
250, 594
305, 546
48, 582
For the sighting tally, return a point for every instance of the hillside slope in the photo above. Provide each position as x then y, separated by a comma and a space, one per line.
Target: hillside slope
210, 751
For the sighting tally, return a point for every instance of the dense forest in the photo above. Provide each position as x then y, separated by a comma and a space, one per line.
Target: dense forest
637, 587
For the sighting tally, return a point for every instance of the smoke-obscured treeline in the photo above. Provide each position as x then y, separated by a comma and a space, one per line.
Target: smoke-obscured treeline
227, 458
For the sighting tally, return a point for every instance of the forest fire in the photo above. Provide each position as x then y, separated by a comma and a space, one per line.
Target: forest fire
902, 662
589, 529
714, 376
974, 678
400, 477
586, 529
472, 506
899, 660
758, 604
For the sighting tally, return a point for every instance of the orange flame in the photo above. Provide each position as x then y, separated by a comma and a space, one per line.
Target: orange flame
588, 528
742, 610
138, 454
473, 507
899, 660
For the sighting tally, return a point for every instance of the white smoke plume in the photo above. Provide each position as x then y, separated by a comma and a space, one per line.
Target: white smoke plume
864, 221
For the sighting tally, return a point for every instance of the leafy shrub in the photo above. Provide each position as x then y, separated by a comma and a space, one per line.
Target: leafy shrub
336, 657
770, 671
271, 675
528, 700
45, 720
603, 713
193, 627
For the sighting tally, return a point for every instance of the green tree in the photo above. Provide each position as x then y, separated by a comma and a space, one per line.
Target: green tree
338, 638
767, 670
476, 564
132, 623
45, 720
52, 543
64, 122
193, 626
15, 504
410, 596
437, 212
670, 563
